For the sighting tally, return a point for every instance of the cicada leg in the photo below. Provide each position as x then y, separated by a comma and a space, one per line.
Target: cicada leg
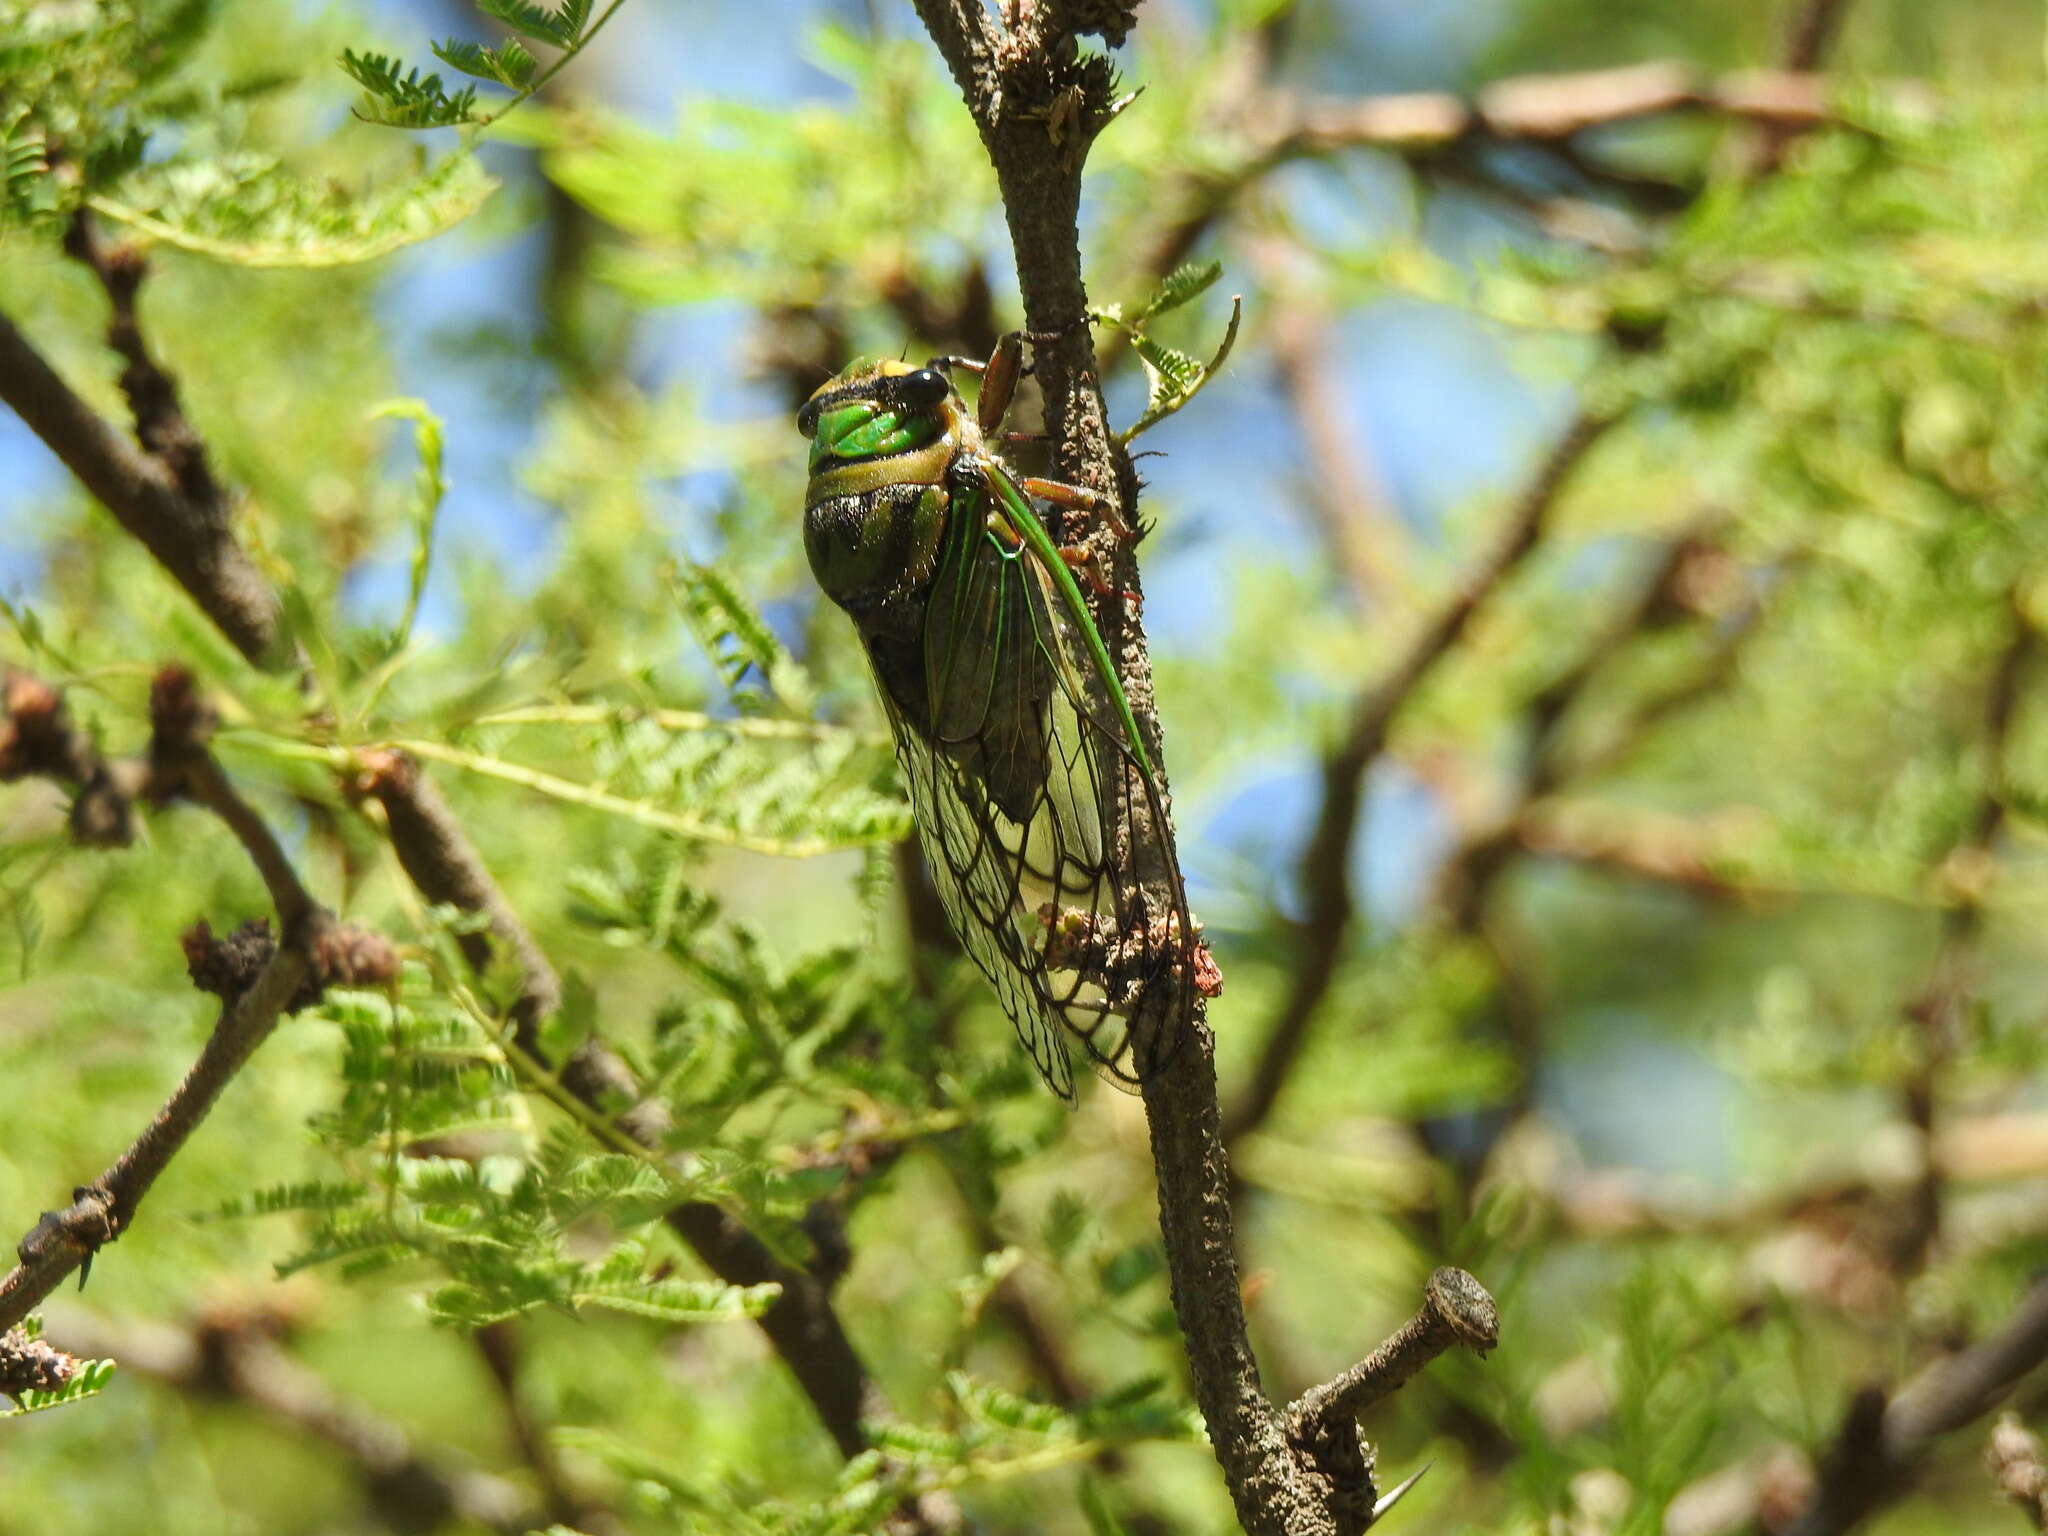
1077, 498
1086, 565
998, 377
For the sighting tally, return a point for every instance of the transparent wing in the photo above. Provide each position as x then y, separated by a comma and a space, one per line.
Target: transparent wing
1022, 794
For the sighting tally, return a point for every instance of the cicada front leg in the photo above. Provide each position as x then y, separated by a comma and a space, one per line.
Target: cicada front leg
998, 377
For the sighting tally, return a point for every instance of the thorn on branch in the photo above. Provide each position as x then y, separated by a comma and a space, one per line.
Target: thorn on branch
74, 1234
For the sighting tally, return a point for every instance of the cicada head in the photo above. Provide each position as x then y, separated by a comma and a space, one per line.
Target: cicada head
884, 436
882, 423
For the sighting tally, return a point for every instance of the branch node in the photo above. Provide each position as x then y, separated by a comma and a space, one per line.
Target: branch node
75, 1233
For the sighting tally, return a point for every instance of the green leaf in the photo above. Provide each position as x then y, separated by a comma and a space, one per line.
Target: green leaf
308, 1195
429, 487
25, 188
508, 65
1173, 378
1180, 286
407, 100
559, 28
249, 211
1067, 1220
89, 1380
681, 1301
737, 639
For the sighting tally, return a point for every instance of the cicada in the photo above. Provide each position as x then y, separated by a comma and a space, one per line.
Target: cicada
1034, 795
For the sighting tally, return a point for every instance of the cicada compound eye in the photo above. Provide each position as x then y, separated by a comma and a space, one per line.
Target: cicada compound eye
927, 386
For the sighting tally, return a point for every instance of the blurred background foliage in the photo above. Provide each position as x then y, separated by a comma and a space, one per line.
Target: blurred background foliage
1681, 978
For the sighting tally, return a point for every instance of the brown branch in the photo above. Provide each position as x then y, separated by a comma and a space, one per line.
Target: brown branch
102, 1210
1549, 110
1881, 1442
1552, 108
1011, 82
257, 980
171, 504
1323, 1422
1326, 862
160, 423
1812, 34
444, 867
238, 1360
1814, 29
1456, 1309
1037, 101
499, 1345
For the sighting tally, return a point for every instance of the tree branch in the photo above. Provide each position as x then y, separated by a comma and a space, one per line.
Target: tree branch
1037, 102
166, 498
1455, 1310
1325, 873
1812, 34
802, 1325
1550, 111
1938, 1014
258, 980
1880, 1442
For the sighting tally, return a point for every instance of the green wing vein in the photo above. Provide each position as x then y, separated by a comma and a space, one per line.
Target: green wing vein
1022, 793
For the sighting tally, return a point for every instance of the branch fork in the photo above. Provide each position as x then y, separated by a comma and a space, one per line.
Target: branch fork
257, 979
1322, 1424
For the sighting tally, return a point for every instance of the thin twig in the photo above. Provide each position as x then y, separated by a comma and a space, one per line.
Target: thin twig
1456, 1309
258, 981
1937, 1016
1326, 860
1812, 34
102, 1210
189, 534
499, 1345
